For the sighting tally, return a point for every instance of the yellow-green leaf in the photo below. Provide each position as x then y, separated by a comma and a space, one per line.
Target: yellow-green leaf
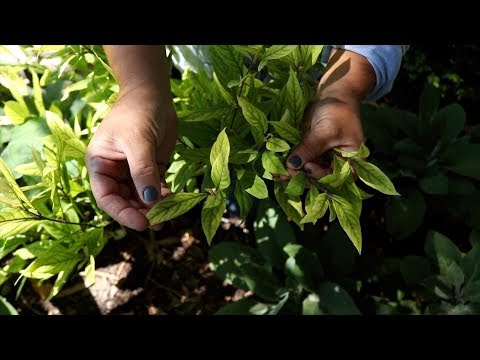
272, 163
15, 222
316, 210
16, 112
374, 177
90, 272
9, 186
75, 148
219, 161
173, 206
30, 169
256, 118
275, 52
277, 145
213, 209
362, 152
252, 184
333, 215
296, 185
62, 278
349, 220
51, 263
37, 93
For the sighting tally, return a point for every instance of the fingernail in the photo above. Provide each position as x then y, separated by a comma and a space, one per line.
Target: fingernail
150, 194
295, 161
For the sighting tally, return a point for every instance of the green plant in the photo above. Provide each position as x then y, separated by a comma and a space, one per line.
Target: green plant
285, 276
432, 159
6, 308
49, 223
446, 280
236, 132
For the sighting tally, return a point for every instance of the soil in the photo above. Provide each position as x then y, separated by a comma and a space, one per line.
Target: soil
150, 273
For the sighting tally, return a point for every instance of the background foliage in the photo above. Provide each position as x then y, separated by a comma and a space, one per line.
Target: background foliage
418, 249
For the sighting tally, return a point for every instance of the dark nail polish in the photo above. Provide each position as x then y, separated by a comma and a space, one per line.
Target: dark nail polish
307, 171
295, 161
150, 194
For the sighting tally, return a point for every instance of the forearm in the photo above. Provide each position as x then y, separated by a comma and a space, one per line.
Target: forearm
140, 68
348, 77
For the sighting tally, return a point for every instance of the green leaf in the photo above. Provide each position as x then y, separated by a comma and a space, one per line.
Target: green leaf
95, 241
244, 200
317, 209
333, 214
275, 52
429, 101
441, 251
291, 205
311, 305
51, 263
6, 308
294, 98
272, 233
252, 184
225, 94
463, 159
243, 157
471, 292
436, 184
277, 145
37, 94
34, 250
214, 113
256, 118
244, 306
334, 300
62, 279
362, 152
90, 272
16, 112
7, 246
219, 161
227, 63
23, 139
364, 195
15, 222
470, 263
296, 186
404, 215
173, 206
243, 267
212, 211
287, 131
454, 275
439, 286
414, 269
374, 177
272, 163
448, 122
349, 220
304, 266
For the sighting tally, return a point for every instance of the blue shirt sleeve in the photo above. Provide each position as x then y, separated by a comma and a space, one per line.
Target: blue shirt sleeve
385, 60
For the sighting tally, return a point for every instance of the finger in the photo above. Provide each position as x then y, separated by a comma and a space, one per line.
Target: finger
106, 191
316, 171
144, 172
313, 145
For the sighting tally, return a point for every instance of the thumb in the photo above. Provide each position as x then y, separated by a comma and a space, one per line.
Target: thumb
311, 148
144, 172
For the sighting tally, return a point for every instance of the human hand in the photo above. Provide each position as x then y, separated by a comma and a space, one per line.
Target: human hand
128, 155
328, 123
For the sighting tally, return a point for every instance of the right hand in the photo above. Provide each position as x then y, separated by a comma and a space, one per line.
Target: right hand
128, 156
